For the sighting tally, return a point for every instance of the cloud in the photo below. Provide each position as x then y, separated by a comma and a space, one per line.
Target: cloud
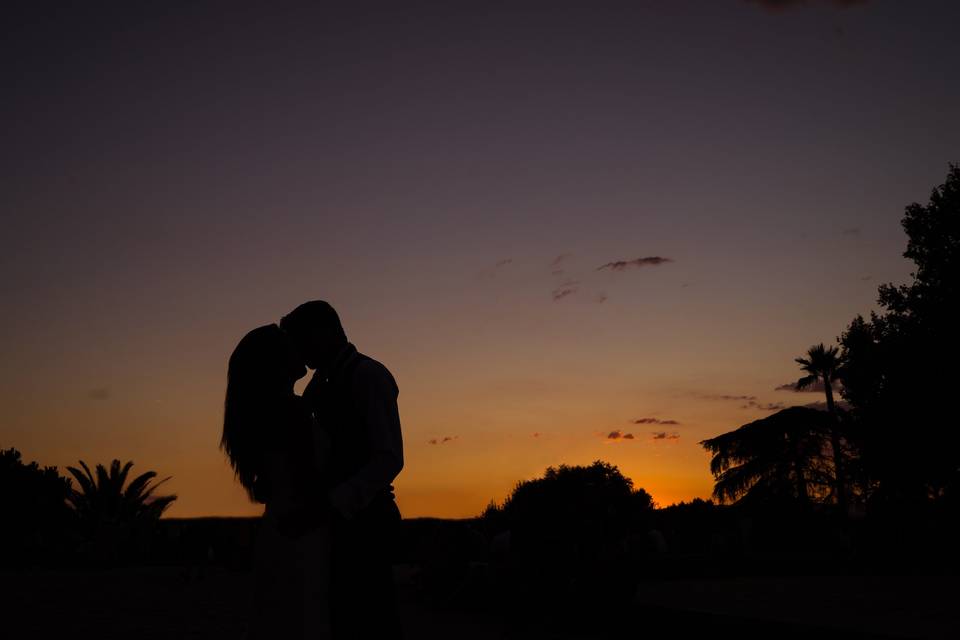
821, 405
663, 435
764, 406
100, 393
535, 434
711, 396
601, 297
816, 387
504, 262
560, 259
792, 386
654, 421
617, 434
749, 402
777, 6
623, 265
443, 440
850, 231
562, 292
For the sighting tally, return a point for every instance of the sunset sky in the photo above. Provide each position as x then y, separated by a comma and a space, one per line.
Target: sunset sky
551, 221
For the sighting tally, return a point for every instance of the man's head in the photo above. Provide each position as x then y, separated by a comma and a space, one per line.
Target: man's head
316, 330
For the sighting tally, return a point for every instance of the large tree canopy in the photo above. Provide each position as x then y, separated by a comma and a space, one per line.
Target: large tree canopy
777, 458
900, 364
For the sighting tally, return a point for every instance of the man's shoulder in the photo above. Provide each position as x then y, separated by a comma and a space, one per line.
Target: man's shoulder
369, 370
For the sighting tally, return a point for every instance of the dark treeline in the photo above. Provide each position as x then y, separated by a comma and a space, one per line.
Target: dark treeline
106, 518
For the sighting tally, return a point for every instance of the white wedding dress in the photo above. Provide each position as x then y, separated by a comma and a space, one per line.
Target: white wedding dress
291, 573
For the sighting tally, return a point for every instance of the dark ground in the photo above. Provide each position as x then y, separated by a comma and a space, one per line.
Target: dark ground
159, 603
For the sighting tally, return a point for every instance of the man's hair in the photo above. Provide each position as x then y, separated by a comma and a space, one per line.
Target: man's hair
313, 316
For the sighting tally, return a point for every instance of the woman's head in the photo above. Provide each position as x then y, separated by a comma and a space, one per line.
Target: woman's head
265, 361
260, 378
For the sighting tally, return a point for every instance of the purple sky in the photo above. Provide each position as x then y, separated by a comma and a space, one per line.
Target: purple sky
453, 180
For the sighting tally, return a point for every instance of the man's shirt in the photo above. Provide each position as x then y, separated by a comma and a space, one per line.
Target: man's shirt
367, 392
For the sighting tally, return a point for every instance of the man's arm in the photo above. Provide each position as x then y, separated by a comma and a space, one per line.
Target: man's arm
375, 399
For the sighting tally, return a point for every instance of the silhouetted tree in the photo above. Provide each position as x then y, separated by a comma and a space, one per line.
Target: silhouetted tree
111, 511
825, 366
35, 514
776, 458
900, 372
822, 365
568, 529
572, 496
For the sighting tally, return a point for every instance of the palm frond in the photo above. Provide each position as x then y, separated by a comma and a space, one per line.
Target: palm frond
86, 485
147, 495
103, 478
156, 507
121, 474
102, 495
134, 490
93, 480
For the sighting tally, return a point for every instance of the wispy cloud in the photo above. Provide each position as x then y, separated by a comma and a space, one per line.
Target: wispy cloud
764, 406
664, 435
714, 396
617, 434
748, 401
504, 262
443, 440
560, 259
562, 292
654, 421
816, 387
623, 265
100, 393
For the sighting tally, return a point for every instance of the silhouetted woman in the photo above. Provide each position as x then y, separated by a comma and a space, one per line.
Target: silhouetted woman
278, 455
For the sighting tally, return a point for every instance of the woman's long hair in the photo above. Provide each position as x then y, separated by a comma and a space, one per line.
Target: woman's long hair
258, 384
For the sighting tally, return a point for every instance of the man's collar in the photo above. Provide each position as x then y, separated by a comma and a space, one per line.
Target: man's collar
345, 355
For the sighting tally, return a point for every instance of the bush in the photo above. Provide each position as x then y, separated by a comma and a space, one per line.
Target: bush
37, 521
569, 532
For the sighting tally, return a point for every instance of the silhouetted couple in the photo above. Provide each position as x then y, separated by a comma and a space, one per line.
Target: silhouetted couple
323, 464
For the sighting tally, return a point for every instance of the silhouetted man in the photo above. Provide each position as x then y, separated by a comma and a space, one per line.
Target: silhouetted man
355, 399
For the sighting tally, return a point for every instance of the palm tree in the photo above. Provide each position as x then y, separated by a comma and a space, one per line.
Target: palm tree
109, 511
775, 457
824, 365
